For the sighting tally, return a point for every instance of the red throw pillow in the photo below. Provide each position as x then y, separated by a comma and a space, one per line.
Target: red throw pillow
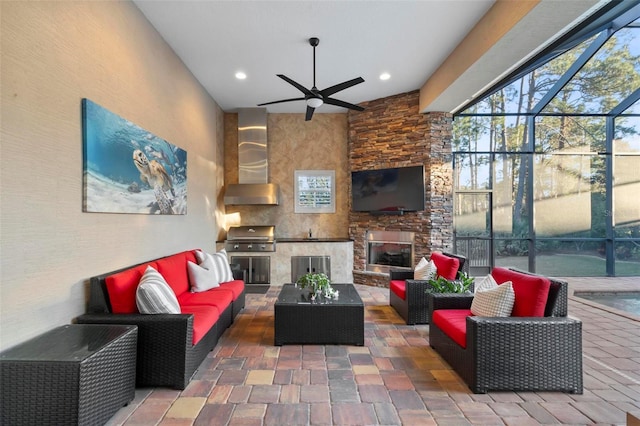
531, 291
122, 289
174, 270
447, 266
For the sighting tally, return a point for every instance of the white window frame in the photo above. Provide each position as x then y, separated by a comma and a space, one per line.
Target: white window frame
305, 178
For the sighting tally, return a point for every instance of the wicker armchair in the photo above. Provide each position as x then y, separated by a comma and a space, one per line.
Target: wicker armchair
514, 353
414, 308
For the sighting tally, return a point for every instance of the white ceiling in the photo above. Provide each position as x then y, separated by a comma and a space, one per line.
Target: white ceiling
407, 39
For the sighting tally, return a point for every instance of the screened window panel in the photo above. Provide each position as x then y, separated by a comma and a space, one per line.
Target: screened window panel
567, 258
627, 136
569, 196
472, 171
506, 180
570, 134
472, 214
626, 196
607, 78
633, 109
471, 134
627, 258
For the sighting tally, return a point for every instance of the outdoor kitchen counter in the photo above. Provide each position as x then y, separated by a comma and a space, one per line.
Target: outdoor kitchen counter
339, 249
313, 240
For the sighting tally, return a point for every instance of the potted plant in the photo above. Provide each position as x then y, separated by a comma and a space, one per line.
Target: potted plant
318, 285
442, 285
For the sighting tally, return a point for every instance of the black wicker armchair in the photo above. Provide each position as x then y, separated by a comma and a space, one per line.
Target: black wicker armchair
414, 308
514, 353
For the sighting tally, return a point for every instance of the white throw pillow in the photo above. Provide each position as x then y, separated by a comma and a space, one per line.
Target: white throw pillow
425, 270
220, 263
154, 296
493, 300
202, 277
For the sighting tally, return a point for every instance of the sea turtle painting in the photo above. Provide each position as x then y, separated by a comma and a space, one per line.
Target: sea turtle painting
128, 169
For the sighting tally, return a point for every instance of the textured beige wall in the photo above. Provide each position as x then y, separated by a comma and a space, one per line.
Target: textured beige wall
53, 55
295, 144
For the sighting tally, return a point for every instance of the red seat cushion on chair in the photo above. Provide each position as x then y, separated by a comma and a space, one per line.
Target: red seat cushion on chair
447, 266
399, 288
122, 288
453, 322
531, 291
204, 317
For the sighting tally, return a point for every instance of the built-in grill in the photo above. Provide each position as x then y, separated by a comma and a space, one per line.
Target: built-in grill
251, 239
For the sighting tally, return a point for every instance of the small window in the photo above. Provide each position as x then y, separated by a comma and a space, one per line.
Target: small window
315, 191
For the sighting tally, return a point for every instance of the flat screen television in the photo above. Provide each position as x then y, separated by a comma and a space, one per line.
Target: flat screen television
391, 191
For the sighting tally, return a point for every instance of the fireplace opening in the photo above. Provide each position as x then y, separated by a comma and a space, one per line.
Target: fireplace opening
389, 249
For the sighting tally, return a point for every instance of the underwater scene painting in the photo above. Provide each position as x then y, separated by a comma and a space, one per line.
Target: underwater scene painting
128, 169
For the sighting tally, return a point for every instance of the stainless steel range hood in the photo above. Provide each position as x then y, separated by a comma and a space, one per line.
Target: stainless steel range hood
253, 165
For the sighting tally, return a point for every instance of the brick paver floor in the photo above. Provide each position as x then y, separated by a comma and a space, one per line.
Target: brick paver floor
395, 379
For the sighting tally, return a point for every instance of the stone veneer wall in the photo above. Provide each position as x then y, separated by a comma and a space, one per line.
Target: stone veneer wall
391, 132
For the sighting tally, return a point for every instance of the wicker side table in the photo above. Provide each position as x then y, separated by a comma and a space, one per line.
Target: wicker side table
76, 374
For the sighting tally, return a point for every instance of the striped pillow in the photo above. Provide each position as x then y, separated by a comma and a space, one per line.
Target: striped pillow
220, 264
154, 296
493, 300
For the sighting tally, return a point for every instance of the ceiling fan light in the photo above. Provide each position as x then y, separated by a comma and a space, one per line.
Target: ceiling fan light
314, 102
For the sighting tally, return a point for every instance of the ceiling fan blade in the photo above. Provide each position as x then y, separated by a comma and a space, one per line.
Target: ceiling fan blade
281, 101
298, 86
309, 113
343, 104
338, 87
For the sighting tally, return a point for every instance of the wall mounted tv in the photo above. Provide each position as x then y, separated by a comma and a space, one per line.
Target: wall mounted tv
388, 191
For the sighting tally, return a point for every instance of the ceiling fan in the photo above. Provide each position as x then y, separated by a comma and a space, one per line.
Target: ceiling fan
314, 97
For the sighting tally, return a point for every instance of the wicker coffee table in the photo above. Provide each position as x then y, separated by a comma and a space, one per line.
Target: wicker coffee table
299, 321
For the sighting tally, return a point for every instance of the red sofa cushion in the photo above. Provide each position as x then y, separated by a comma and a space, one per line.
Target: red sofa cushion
122, 288
531, 292
174, 270
399, 288
453, 322
447, 266
217, 297
204, 317
236, 287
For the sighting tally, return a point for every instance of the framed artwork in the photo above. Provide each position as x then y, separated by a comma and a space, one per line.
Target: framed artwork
315, 191
128, 169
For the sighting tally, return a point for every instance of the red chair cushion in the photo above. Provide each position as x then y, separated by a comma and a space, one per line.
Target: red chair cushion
531, 292
453, 322
399, 288
204, 317
447, 266
174, 270
122, 289
216, 297
236, 287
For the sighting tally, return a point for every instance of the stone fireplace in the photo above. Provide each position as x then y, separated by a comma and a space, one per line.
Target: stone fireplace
392, 132
389, 249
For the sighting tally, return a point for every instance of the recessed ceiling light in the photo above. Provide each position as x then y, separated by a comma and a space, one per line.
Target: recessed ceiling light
385, 76
240, 75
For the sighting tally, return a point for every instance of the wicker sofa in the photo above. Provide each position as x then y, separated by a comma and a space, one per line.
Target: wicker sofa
409, 297
170, 346
512, 353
